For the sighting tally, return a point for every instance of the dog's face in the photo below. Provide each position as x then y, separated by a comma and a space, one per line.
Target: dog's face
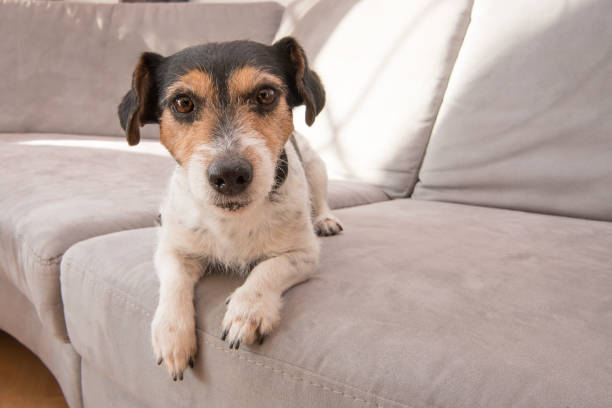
225, 113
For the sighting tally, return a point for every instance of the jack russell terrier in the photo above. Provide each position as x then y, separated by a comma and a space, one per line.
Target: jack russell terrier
248, 194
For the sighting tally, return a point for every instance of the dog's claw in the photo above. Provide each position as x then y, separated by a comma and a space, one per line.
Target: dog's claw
231, 344
191, 362
180, 376
237, 344
174, 377
326, 226
259, 338
224, 334
161, 359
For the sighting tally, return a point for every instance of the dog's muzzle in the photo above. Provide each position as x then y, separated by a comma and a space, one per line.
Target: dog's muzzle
230, 176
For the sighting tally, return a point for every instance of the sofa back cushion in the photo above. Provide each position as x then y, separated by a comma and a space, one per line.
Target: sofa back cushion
526, 122
385, 66
66, 66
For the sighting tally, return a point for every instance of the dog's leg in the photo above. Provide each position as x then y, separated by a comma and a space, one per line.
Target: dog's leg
173, 327
253, 310
325, 223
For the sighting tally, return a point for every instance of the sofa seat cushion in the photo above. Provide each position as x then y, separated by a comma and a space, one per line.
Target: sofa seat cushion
60, 189
417, 304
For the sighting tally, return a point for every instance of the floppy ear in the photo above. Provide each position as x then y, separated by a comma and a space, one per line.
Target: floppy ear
139, 105
305, 86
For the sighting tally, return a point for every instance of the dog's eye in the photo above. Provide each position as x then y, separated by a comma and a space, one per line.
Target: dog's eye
266, 96
183, 104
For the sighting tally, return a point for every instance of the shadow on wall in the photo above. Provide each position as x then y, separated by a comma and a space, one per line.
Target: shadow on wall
521, 126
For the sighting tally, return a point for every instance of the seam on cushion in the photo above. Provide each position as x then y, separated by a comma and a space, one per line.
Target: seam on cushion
295, 378
54, 260
444, 90
114, 291
57, 259
60, 332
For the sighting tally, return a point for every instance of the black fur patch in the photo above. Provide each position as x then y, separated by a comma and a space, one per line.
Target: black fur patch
285, 59
281, 171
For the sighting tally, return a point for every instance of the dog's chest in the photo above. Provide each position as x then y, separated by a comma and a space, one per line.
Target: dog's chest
246, 239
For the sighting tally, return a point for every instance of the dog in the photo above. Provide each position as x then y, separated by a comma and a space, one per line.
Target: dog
248, 195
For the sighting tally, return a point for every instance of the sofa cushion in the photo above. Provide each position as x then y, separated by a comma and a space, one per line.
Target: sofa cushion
66, 65
526, 123
417, 304
58, 190
61, 189
343, 194
385, 69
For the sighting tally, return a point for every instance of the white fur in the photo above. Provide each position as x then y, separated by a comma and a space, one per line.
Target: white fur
277, 235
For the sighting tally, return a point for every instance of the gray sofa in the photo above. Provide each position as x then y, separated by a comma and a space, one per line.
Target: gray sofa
470, 147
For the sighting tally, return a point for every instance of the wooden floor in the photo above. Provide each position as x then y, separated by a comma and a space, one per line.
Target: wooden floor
24, 379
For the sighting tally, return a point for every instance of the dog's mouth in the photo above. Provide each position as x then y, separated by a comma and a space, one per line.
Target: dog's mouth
232, 206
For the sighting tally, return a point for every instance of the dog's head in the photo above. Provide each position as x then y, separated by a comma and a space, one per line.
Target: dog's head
225, 113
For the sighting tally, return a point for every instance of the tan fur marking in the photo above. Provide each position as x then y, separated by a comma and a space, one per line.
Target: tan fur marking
250, 154
181, 139
277, 126
197, 82
244, 80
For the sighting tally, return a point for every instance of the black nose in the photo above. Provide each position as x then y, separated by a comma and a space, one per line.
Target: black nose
230, 176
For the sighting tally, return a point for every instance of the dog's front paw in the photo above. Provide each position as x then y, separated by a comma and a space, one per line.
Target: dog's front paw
174, 341
251, 315
327, 224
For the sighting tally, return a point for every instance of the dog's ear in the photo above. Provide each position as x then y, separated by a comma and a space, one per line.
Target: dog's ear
139, 105
304, 84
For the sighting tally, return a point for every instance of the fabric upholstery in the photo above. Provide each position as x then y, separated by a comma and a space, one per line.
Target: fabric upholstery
53, 195
59, 189
100, 391
525, 123
66, 66
342, 194
18, 318
417, 304
385, 68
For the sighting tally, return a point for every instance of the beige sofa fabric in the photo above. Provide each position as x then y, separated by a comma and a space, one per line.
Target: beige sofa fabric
58, 190
343, 194
65, 66
385, 66
416, 304
526, 122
